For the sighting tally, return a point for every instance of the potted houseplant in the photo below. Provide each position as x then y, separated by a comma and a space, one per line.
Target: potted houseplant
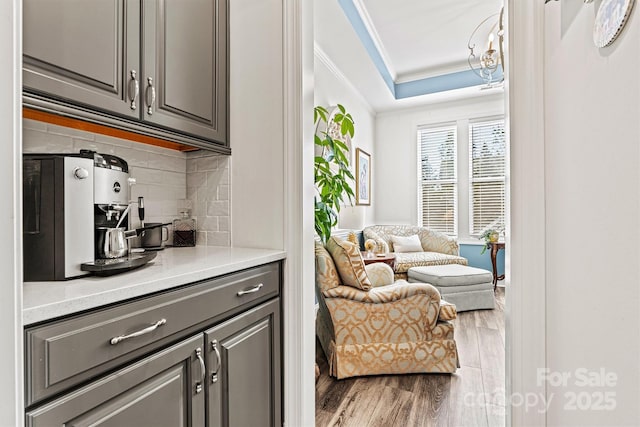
332, 175
491, 234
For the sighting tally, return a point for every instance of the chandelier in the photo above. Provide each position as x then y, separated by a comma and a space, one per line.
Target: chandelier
486, 56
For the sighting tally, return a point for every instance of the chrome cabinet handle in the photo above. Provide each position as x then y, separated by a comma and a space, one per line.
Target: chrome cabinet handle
203, 370
134, 89
256, 288
150, 90
214, 372
116, 340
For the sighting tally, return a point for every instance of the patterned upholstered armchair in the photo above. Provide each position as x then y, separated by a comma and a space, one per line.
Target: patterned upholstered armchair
390, 328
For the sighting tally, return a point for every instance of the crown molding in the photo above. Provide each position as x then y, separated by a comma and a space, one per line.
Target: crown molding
375, 37
429, 72
337, 73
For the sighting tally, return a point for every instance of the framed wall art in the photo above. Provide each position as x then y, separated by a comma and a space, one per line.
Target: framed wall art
363, 177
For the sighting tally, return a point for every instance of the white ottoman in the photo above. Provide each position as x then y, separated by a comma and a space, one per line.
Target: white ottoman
469, 288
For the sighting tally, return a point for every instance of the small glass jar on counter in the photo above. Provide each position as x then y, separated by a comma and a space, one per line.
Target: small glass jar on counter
184, 230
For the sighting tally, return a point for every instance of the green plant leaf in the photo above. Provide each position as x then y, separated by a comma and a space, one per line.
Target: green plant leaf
320, 112
341, 144
340, 157
349, 174
319, 141
344, 127
348, 125
332, 175
349, 192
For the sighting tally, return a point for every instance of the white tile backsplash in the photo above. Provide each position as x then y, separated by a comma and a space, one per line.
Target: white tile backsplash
224, 192
196, 179
224, 224
35, 125
207, 163
208, 188
165, 178
74, 133
218, 208
218, 238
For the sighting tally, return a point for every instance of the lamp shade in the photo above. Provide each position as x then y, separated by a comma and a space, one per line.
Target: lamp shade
351, 218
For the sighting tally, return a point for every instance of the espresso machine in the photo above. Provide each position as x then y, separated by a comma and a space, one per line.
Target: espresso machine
111, 190
70, 201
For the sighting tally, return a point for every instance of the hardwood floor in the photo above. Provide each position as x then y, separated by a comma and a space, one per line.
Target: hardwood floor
473, 396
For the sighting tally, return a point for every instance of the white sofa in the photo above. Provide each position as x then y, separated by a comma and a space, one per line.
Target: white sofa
438, 248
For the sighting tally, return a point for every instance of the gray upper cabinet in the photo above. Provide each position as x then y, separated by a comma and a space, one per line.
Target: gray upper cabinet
156, 67
185, 50
83, 52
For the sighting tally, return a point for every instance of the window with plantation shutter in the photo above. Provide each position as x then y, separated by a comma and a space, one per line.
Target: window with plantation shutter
438, 178
487, 166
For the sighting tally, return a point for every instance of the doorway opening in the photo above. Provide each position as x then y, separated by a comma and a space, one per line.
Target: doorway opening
435, 162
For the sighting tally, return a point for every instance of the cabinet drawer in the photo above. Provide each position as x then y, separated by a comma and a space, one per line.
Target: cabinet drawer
159, 390
68, 352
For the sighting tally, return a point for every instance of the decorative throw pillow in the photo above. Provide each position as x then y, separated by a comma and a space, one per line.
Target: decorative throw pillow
348, 261
326, 272
406, 243
379, 274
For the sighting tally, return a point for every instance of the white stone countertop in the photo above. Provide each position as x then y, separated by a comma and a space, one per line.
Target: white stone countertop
172, 267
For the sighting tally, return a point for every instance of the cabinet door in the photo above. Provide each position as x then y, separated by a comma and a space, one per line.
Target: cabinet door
243, 360
164, 389
86, 52
185, 65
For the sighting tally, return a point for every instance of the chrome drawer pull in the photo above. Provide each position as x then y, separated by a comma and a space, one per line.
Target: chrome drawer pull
116, 340
256, 288
203, 370
150, 90
214, 372
134, 89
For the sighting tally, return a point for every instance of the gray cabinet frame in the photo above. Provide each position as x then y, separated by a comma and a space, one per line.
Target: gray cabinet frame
241, 311
243, 365
63, 354
158, 391
83, 52
56, 81
190, 84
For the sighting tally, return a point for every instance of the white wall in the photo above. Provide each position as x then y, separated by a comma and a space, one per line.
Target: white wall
592, 169
11, 366
256, 123
396, 162
331, 88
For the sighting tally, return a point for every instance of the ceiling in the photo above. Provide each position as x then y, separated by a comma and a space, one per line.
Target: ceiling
399, 54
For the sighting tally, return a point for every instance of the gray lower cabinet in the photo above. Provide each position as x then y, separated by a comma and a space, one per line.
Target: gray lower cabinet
157, 67
243, 359
206, 354
164, 389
